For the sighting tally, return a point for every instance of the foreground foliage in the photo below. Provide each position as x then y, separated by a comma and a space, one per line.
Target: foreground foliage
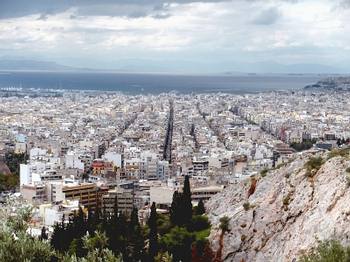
100, 236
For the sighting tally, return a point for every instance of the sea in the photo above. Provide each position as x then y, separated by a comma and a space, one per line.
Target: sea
155, 83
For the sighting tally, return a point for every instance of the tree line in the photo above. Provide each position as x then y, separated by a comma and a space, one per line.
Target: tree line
180, 235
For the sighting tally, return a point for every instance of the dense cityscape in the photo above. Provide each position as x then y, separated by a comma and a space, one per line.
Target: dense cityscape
174, 131
66, 153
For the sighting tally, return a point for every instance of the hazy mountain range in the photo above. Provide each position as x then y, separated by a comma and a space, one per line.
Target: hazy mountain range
154, 67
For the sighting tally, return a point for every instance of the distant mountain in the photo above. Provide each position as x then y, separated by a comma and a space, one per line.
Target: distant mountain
175, 66
33, 65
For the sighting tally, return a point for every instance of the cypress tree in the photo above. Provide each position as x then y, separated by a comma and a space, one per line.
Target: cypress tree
175, 209
91, 221
153, 233
43, 235
135, 243
116, 209
186, 202
56, 238
134, 218
200, 208
75, 232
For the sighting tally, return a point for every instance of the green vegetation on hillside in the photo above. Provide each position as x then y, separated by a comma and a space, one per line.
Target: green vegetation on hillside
327, 251
313, 165
343, 152
305, 145
8, 182
13, 161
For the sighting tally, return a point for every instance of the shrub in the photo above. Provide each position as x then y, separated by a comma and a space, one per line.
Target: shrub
339, 152
263, 173
313, 165
330, 250
286, 200
347, 170
224, 223
348, 180
246, 206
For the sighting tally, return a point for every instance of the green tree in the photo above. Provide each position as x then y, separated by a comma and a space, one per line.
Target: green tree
8, 182
43, 235
16, 244
13, 161
178, 242
175, 209
200, 209
57, 238
135, 241
153, 233
23, 248
187, 202
96, 246
199, 223
181, 206
116, 208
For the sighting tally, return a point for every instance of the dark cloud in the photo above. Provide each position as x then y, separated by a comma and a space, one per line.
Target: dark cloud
43, 17
345, 3
267, 16
161, 16
132, 8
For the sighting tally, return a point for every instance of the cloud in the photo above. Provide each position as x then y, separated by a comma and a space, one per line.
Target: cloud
132, 8
267, 17
216, 33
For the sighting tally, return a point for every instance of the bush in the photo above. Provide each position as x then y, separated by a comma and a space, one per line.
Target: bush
246, 206
313, 165
200, 223
302, 146
327, 251
8, 182
339, 152
178, 242
348, 180
224, 223
286, 200
163, 223
263, 173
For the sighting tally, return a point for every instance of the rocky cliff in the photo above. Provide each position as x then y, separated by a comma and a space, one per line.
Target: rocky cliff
288, 211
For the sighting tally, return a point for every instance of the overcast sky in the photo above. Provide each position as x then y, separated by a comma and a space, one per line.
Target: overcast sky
184, 35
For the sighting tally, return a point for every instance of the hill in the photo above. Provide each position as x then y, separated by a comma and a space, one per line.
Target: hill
341, 83
33, 65
290, 209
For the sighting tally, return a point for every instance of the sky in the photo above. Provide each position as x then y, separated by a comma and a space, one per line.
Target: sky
205, 36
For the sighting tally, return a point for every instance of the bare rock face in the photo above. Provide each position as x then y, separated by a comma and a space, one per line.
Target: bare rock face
286, 215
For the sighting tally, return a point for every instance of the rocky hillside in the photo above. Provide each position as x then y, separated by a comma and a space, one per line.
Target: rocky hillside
288, 211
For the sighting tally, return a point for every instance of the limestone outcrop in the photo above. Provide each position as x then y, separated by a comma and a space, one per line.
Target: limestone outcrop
289, 211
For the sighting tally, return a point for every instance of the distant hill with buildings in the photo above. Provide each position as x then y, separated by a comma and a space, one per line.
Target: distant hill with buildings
341, 83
